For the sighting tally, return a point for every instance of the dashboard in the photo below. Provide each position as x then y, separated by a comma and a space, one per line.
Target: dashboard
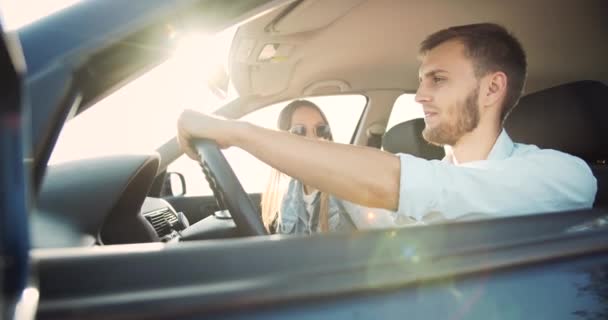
105, 201
98, 197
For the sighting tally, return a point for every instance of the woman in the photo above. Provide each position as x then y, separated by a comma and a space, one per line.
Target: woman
290, 207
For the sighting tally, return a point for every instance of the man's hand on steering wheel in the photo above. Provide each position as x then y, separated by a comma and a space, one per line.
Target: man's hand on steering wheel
225, 185
192, 124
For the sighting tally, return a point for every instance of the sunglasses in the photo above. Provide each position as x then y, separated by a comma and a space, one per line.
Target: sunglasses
320, 130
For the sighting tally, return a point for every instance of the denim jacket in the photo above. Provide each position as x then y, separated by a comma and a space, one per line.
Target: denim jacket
295, 219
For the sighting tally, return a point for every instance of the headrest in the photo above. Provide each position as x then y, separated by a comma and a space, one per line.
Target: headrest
406, 137
567, 117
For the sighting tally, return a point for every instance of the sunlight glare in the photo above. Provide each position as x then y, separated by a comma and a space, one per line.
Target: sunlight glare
140, 116
198, 61
194, 61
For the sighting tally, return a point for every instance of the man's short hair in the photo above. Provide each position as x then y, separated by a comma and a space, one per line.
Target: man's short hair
491, 48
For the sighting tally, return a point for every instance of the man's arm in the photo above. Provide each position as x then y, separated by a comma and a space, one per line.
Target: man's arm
362, 175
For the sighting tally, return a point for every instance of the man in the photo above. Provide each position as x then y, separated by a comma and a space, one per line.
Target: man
471, 77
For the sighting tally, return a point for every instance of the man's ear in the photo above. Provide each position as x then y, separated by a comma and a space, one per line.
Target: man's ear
496, 88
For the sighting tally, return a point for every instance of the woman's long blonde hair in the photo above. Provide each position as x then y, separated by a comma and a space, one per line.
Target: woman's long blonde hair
275, 188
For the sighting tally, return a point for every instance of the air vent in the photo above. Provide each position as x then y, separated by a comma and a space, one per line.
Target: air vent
161, 220
170, 216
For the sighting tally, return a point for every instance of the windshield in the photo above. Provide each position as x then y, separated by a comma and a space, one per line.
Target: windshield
140, 116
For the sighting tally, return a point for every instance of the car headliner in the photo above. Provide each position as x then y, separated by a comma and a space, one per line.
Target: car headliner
358, 45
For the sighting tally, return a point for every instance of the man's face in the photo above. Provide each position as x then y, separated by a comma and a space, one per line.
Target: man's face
448, 93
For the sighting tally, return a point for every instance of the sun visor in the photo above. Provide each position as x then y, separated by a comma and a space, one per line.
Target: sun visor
264, 68
270, 79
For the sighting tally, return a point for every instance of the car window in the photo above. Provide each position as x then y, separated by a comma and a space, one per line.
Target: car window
404, 109
342, 111
142, 115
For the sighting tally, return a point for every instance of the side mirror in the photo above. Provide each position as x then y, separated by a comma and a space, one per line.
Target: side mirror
174, 184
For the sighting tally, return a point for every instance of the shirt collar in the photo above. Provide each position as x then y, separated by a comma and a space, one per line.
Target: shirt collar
502, 149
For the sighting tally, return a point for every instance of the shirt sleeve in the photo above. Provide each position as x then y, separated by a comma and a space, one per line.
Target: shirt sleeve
366, 218
544, 181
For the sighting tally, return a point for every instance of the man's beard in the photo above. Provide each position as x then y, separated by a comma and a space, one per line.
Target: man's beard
461, 119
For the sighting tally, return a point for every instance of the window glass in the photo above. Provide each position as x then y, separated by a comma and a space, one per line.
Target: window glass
405, 108
142, 115
342, 111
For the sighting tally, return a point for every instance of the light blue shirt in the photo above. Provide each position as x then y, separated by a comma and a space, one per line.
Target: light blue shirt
515, 179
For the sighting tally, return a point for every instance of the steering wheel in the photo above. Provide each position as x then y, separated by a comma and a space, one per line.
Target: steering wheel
227, 189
